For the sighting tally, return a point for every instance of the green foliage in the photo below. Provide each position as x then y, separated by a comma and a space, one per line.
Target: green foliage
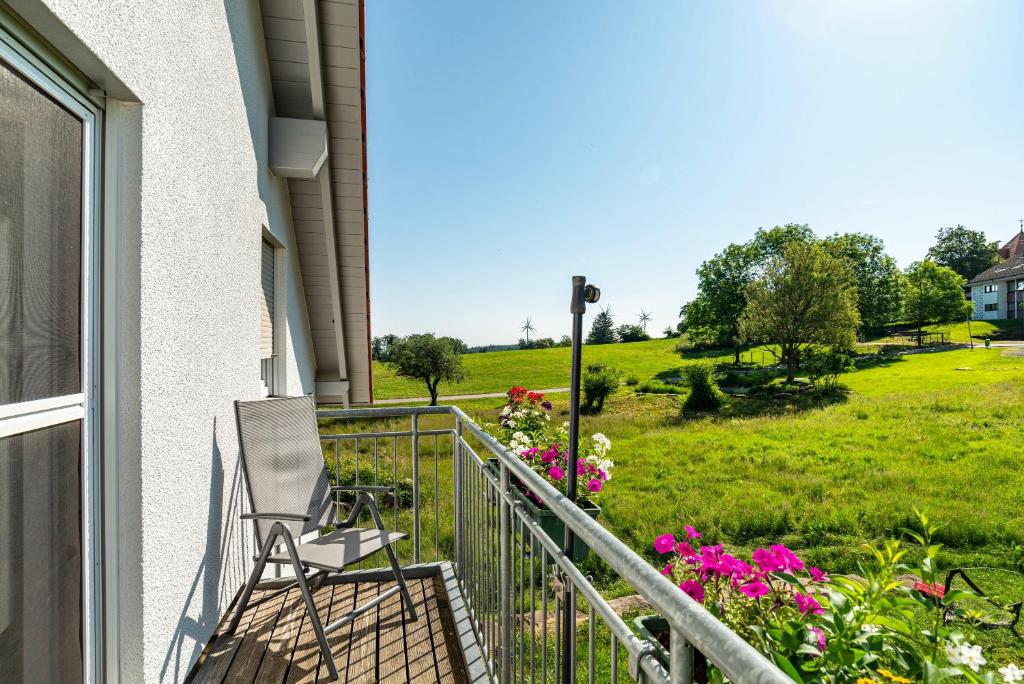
805, 298
825, 366
380, 347
538, 343
603, 329
934, 294
599, 381
659, 387
670, 332
879, 281
704, 391
428, 358
564, 341
631, 333
632, 381
713, 317
963, 250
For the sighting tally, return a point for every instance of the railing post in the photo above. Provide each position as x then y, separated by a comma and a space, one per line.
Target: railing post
505, 551
415, 487
458, 477
681, 658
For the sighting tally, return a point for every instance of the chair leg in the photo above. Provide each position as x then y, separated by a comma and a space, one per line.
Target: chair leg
314, 617
254, 577
406, 598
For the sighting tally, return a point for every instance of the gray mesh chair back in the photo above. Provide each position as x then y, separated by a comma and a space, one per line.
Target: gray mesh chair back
284, 466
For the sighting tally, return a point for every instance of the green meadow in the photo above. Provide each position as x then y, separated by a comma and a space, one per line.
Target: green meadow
941, 431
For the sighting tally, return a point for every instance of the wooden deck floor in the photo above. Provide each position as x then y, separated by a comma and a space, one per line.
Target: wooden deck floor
275, 643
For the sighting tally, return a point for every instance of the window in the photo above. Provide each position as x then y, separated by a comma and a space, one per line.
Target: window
992, 307
267, 313
991, 288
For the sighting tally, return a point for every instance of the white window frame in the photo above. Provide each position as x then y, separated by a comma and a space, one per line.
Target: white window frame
21, 52
280, 374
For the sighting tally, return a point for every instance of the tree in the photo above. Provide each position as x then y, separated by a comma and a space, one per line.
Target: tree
564, 341
713, 317
537, 343
824, 368
879, 281
631, 333
963, 250
603, 329
428, 358
380, 347
805, 298
934, 294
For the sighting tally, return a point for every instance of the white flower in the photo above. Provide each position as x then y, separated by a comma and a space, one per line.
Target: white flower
971, 656
1011, 673
601, 443
953, 653
507, 410
872, 628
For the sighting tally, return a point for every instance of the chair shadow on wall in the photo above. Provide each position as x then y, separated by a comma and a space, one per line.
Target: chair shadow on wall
214, 572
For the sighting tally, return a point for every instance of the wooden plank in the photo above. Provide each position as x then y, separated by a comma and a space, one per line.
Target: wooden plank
362, 653
305, 662
247, 660
451, 667
282, 641
391, 644
420, 645
342, 601
225, 646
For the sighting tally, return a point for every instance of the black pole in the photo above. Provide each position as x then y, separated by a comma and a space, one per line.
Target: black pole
581, 295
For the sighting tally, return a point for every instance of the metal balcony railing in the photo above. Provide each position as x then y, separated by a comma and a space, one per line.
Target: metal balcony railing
455, 500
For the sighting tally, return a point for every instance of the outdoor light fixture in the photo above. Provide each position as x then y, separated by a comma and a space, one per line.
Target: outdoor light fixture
582, 294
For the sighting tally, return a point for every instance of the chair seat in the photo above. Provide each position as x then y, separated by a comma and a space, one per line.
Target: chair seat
340, 548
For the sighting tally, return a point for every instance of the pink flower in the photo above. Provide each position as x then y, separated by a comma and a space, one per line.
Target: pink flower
684, 550
594, 485
549, 455
693, 589
754, 589
556, 473
667, 570
767, 561
790, 560
581, 469
807, 603
817, 574
820, 638
665, 543
691, 533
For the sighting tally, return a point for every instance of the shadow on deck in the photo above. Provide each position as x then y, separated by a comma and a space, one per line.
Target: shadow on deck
275, 643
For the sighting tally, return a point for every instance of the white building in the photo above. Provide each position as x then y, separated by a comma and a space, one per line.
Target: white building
998, 292
182, 224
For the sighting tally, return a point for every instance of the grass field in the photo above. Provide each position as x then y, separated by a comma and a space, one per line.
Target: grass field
545, 368
942, 431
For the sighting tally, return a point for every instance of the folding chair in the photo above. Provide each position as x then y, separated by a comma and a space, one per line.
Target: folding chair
290, 495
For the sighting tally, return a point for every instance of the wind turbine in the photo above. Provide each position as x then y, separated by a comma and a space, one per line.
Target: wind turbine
528, 328
644, 319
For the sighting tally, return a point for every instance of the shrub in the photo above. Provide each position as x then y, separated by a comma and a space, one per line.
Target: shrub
631, 333
599, 381
632, 381
659, 387
824, 368
704, 392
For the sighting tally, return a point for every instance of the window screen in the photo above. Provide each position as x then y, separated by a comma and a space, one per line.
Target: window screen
40, 244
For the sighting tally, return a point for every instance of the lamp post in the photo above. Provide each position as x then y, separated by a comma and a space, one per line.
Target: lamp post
582, 294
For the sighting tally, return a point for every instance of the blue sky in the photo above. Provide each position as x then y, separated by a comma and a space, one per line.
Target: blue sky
513, 145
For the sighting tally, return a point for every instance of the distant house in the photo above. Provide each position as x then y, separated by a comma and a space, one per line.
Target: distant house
998, 292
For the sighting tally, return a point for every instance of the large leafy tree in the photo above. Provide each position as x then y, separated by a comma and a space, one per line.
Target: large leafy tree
603, 329
879, 280
712, 318
804, 299
934, 294
428, 358
964, 250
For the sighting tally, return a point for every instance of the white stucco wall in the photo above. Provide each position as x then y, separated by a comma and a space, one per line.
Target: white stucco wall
204, 195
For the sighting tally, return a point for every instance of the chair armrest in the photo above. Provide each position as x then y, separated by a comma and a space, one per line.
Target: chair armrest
362, 488
296, 517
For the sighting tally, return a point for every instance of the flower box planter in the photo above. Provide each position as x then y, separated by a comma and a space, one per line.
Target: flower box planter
550, 523
654, 630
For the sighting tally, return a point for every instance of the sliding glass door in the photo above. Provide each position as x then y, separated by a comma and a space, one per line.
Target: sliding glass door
47, 538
